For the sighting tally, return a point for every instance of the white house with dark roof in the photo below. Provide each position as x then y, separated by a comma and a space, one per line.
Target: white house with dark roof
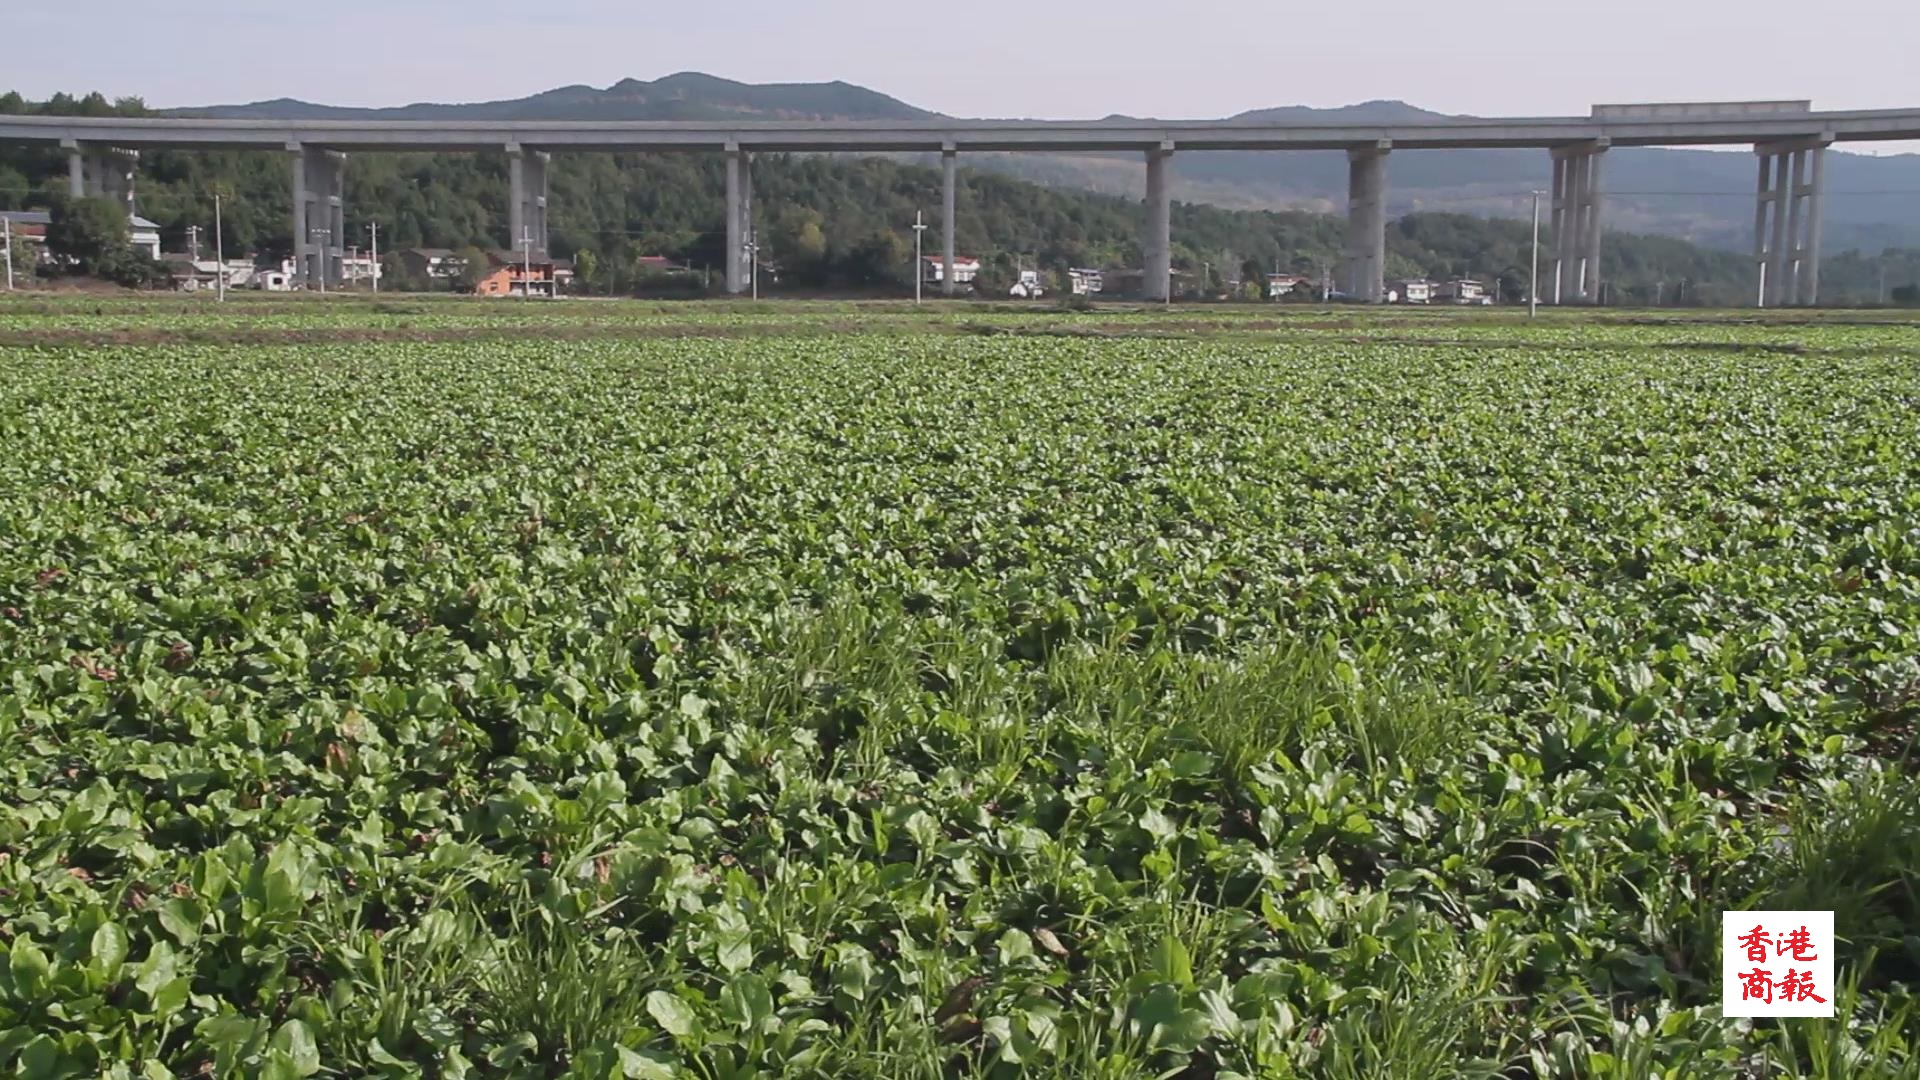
145, 236
965, 269
1411, 291
1462, 291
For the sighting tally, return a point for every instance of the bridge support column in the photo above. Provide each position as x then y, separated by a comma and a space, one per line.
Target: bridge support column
527, 202
1578, 203
1367, 222
319, 215
739, 220
1786, 221
101, 172
948, 167
76, 170
1156, 245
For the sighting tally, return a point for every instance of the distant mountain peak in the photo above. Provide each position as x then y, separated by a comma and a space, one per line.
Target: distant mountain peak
696, 77
683, 95
1378, 111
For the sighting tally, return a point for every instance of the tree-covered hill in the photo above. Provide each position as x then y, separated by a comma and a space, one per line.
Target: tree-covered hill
688, 95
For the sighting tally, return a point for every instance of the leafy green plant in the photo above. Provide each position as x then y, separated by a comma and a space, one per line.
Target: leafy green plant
457, 690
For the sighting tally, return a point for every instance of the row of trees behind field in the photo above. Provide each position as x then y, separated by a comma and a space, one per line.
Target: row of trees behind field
833, 222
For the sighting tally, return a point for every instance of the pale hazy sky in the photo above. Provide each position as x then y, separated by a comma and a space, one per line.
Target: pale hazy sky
1039, 58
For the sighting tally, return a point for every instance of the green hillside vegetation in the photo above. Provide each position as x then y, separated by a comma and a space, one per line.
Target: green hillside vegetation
826, 221
1891, 276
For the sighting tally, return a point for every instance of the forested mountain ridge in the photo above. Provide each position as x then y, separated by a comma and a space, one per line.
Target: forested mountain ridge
826, 221
688, 95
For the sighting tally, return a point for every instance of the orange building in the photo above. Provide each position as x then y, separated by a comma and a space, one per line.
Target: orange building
514, 274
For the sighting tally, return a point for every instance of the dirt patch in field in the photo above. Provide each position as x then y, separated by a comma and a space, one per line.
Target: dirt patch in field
75, 336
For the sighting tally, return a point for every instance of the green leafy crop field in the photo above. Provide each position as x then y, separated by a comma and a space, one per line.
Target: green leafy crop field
725, 692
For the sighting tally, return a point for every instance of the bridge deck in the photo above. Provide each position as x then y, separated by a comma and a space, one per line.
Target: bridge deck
968, 135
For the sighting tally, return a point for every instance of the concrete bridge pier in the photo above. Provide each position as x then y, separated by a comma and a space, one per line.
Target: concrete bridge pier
527, 202
1367, 222
739, 219
948, 167
101, 172
1156, 245
319, 215
1786, 221
1578, 203
76, 170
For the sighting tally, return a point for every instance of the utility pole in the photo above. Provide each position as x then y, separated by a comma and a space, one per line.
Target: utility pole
219, 253
374, 227
320, 255
526, 263
919, 233
6, 226
1883, 277
753, 259
1533, 274
193, 243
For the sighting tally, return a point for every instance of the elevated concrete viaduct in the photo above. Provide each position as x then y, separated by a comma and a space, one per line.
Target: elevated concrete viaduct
1789, 136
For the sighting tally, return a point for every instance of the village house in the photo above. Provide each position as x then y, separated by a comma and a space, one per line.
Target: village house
432, 264
1131, 281
512, 273
1410, 291
648, 267
1462, 291
187, 275
1280, 286
653, 275
273, 278
28, 232
965, 270
145, 236
359, 268
30, 226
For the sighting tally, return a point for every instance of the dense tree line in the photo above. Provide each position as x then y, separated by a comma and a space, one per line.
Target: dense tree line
1891, 277
826, 221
